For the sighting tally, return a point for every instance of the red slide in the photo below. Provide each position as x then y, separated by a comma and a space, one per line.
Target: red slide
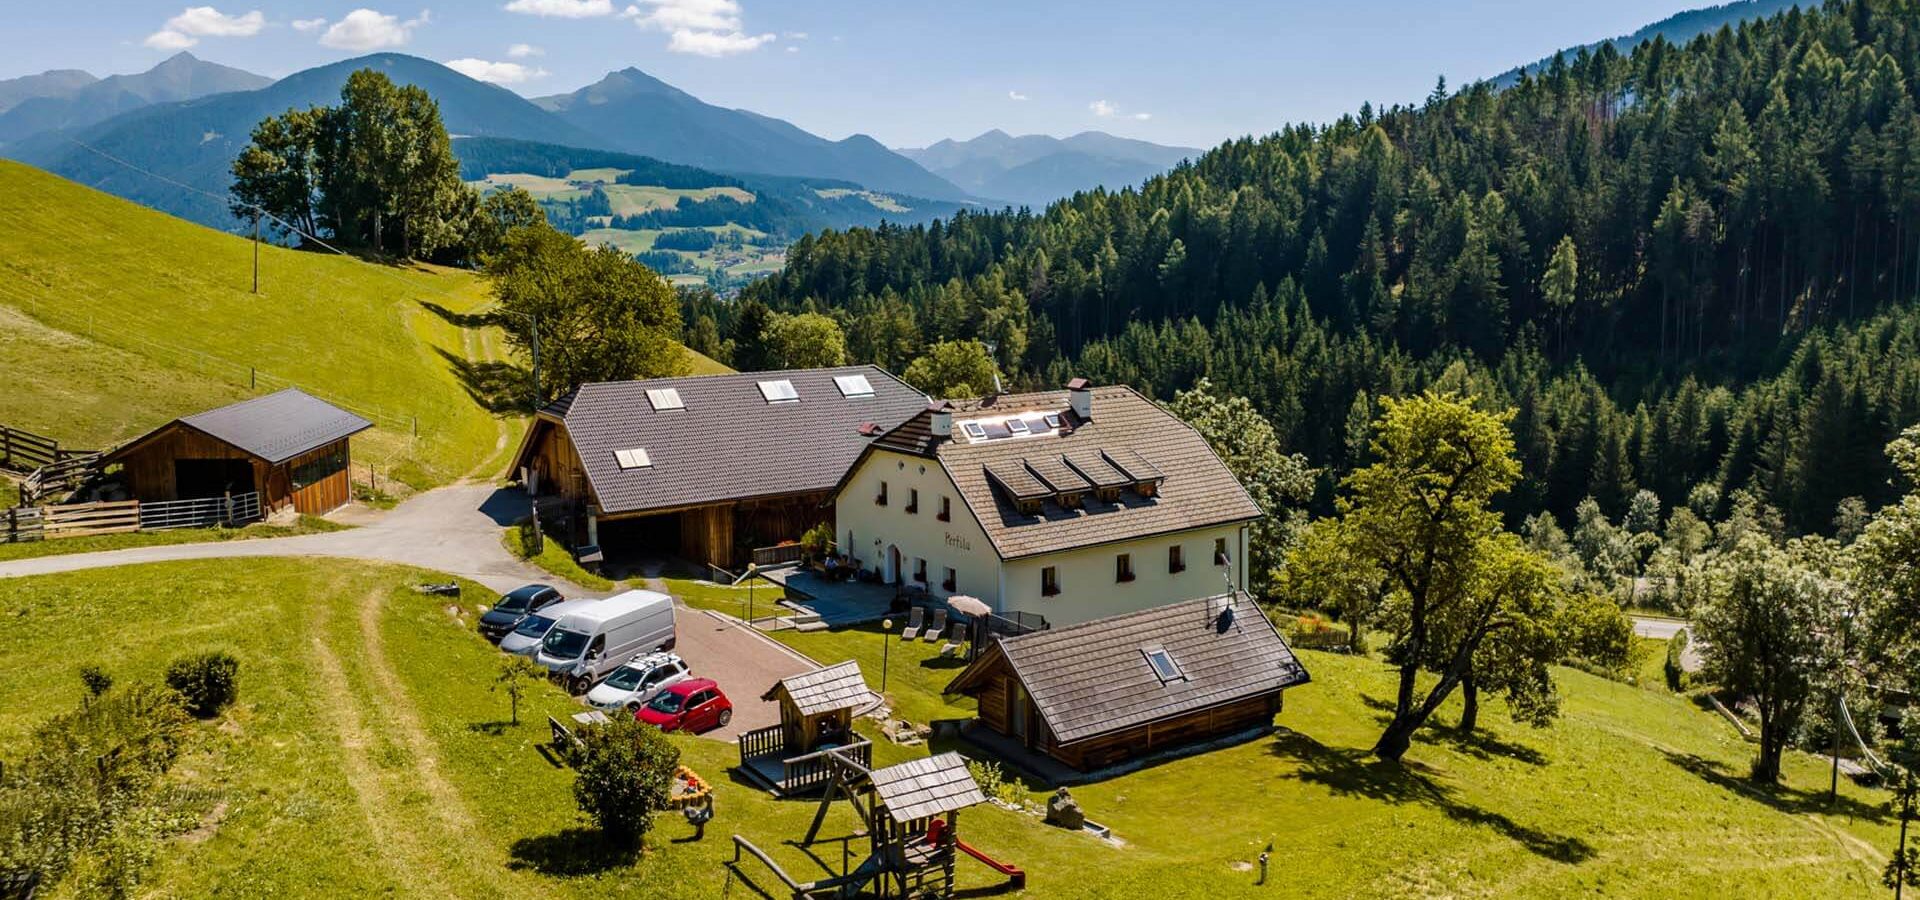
1013, 872
1015, 875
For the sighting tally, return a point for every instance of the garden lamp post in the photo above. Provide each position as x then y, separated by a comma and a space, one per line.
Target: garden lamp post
886, 651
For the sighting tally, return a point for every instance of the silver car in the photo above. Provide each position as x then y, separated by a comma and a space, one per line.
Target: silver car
525, 638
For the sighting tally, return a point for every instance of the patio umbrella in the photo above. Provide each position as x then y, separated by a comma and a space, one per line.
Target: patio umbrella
968, 606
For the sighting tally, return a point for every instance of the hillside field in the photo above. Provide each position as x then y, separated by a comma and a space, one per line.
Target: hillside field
115, 318
368, 754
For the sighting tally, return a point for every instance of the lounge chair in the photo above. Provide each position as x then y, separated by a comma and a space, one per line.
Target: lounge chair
938, 627
915, 620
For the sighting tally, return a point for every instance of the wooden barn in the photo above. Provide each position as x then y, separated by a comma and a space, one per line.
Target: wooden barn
1103, 692
289, 447
707, 467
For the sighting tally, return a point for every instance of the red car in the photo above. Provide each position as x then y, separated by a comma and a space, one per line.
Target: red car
693, 706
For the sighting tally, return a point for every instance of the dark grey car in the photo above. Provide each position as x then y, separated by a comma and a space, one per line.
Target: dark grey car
515, 605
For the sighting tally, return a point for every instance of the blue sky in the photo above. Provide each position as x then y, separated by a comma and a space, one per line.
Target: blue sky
905, 71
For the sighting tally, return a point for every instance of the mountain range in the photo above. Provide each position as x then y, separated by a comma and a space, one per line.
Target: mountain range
70, 98
633, 111
1678, 28
1037, 169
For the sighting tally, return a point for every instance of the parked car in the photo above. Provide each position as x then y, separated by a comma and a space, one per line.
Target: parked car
632, 685
584, 646
525, 638
693, 706
515, 605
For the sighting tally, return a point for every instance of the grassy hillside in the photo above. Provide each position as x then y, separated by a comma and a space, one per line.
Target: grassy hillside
115, 318
368, 756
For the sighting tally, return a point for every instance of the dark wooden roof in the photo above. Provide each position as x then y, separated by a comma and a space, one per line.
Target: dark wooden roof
926, 787
728, 442
1195, 490
1093, 679
824, 690
276, 427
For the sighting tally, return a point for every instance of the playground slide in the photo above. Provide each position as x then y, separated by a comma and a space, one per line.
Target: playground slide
1013, 872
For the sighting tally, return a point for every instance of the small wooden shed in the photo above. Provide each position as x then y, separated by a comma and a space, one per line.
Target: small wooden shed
1102, 692
816, 714
290, 447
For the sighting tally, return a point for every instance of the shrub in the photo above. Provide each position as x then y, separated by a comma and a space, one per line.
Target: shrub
817, 540
624, 769
96, 679
1312, 631
1678, 678
209, 681
994, 783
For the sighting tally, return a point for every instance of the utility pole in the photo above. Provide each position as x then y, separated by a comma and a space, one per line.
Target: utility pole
256, 250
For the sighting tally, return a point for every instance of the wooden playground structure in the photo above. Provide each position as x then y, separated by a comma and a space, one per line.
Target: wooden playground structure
909, 814
816, 716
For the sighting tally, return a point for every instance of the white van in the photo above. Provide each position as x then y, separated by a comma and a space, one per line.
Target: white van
524, 639
582, 647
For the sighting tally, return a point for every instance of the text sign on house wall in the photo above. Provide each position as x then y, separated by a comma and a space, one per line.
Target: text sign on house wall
959, 542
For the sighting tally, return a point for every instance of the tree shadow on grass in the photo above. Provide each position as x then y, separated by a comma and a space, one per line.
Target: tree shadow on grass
1351, 772
464, 320
494, 728
571, 852
499, 387
943, 662
1479, 743
1785, 799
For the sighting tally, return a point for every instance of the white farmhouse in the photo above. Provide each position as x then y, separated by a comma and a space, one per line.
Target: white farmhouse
1069, 505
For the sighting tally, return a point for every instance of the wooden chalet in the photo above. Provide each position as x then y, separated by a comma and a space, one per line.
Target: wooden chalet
708, 467
816, 715
1099, 693
290, 447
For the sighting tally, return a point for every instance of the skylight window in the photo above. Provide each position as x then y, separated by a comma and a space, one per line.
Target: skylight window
665, 398
1163, 665
1017, 426
974, 430
853, 385
779, 391
636, 458
1053, 421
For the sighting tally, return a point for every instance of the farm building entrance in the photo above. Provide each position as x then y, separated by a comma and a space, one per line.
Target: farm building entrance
643, 538
200, 479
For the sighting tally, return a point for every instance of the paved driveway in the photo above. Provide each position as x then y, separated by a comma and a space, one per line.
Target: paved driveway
1657, 627
457, 530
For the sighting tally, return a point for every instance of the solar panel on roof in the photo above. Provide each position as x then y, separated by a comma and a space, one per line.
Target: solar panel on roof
853, 385
665, 398
780, 391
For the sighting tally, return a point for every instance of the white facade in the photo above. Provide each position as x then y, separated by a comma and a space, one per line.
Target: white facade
899, 543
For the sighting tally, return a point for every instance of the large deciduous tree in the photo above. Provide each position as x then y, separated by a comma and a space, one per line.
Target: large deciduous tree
953, 369
806, 341
1463, 600
601, 315
1279, 483
376, 171
1760, 629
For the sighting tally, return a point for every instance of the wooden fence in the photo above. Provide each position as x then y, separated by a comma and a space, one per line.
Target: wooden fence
39, 523
69, 474
24, 451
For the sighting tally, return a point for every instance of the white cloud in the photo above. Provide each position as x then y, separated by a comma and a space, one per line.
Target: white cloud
522, 51
791, 48
306, 25
795, 35
701, 27
1106, 110
562, 9
1016, 95
196, 22
366, 29
496, 72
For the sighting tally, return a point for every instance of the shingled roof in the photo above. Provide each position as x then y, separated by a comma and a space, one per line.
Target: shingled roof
824, 690
925, 787
1194, 488
727, 442
1094, 678
276, 427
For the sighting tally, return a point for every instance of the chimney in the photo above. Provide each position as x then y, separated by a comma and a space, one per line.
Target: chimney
942, 419
1080, 397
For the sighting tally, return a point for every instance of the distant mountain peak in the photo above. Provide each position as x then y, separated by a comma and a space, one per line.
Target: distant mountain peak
1035, 169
